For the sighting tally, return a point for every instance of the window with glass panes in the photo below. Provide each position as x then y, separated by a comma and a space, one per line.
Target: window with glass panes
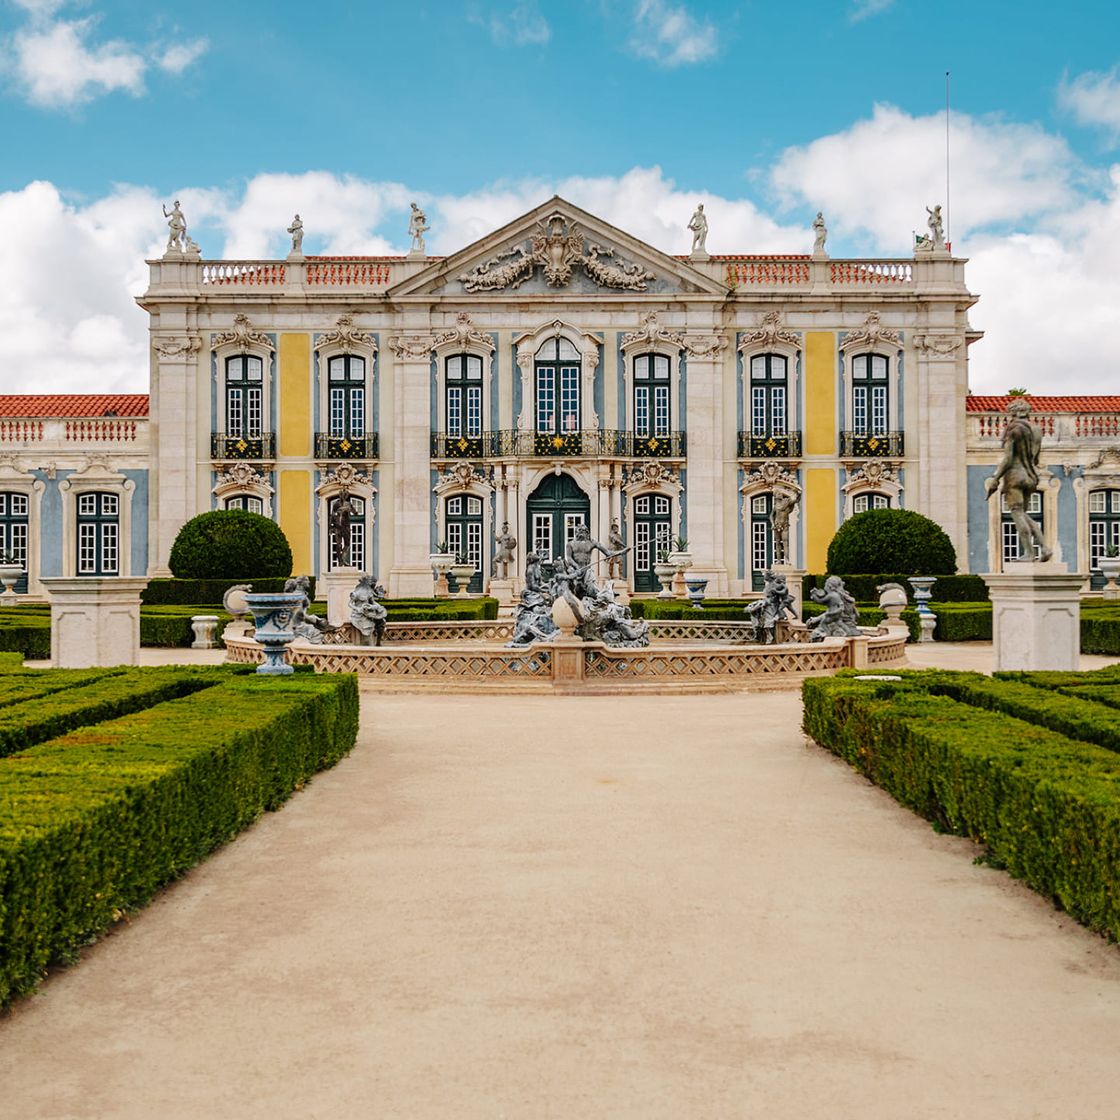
1010, 535
463, 525
346, 396
870, 395
463, 395
557, 386
14, 520
244, 397
357, 557
246, 502
653, 534
1104, 523
98, 534
762, 538
652, 412
769, 395
863, 502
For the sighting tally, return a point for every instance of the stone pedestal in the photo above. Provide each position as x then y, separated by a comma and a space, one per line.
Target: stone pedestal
204, 627
1036, 616
335, 587
621, 591
502, 590
94, 621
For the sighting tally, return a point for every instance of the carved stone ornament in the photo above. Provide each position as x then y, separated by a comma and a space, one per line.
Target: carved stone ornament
174, 346
938, 343
769, 332
557, 248
705, 345
10, 461
346, 335
346, 477
873, 334
462, 476
651, 333
1109, 458
874, 472
651, 474
242, 475
242, 335
770, 476
411, 345
464, 334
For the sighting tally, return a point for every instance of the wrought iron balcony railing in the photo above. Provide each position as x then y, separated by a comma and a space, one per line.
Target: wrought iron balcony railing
602, 443
860, 445
787, 446
345, 447
225, 446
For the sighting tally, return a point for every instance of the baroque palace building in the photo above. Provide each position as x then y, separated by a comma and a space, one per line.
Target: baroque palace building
556, 372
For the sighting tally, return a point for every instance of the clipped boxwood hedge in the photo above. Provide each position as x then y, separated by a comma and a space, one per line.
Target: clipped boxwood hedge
1046, 805
947, 589
230, 544
95, 822
879, 539
963, 622
206, 592
1100, 629
28, 634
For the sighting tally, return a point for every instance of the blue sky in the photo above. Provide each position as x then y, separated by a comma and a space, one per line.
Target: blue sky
635, 109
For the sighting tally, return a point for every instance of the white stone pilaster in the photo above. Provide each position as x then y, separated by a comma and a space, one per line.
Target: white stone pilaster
411, 574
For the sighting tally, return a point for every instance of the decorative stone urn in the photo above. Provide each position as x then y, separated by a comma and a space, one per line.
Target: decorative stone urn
273, 611
442, 563
696, 588
10, 575
681, 561
463, 574
665, 573
1108, 566
922, 594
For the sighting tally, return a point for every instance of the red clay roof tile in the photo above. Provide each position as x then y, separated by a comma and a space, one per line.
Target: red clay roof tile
73, 404
1044, 404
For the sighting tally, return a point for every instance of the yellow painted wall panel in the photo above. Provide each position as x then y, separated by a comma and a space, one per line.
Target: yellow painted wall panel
295, 516
820, 515
821, 421
295, 394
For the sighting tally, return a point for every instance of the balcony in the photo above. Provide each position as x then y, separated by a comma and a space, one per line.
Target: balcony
223, 446
859, 445
345, 447
583, 444
787, 446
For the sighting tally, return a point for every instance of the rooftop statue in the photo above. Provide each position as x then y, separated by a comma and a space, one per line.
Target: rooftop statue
177, 227
840, 619
820, 234
417, 227
1016, 476
367, 615
698, 223
296, 230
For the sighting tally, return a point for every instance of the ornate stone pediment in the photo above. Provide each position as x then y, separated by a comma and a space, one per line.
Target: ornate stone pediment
942, 344
176, 346
464, 335
651, 475
769, 333
875, 472
558, 246
651, 333
346, 336
771, 476
242, 336
345, 477
462, 476
241, 475
872, 334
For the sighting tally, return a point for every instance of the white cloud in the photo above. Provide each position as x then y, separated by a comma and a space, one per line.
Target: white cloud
671, 35
175, 59
864, 9
57, 63
520, 24
1093, 99
878, 176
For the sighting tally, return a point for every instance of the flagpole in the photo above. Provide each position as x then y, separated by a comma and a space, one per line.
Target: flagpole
948, 212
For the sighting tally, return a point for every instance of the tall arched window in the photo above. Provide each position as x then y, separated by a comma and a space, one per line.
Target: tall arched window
653, 534
1010, 535
346, 396
861, 503
98, 534
463, 395
870, 395
244, 397
463, 524
769, 395
247, 502
557, 387
357, 554
652, 408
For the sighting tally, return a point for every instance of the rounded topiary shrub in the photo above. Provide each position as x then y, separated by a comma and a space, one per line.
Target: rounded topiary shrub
891, 540
230, 544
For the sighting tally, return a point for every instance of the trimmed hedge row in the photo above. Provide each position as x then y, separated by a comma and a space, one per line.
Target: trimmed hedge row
18, 684
1046, 805
31, 720
947, 589
160, 592
94, 823
1100, 629
26, 634
963, 622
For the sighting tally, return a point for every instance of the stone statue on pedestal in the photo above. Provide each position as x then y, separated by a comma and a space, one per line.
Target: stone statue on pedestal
1016, 476
367, 615
177, 227
503, 554
417, 227
342, 514
784, 504
617, 548
698, 223
296, 230
305, 625
840, 618
820, 234
776, 605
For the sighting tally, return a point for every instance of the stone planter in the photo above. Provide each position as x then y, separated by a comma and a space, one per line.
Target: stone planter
273, 612
442, 563
204, 627
1108, 566
922, 586
696, 589
463, 574
10, 576
665, 573
682, 561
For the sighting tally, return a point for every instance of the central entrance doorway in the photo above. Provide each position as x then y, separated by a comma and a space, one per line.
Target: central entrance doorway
553, 511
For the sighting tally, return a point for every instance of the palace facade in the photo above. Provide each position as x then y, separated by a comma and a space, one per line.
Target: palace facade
557, 372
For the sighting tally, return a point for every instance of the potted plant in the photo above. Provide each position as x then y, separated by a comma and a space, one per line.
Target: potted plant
681, 559
10, 571
1108, 565
665, 570
442, 561
463, 570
